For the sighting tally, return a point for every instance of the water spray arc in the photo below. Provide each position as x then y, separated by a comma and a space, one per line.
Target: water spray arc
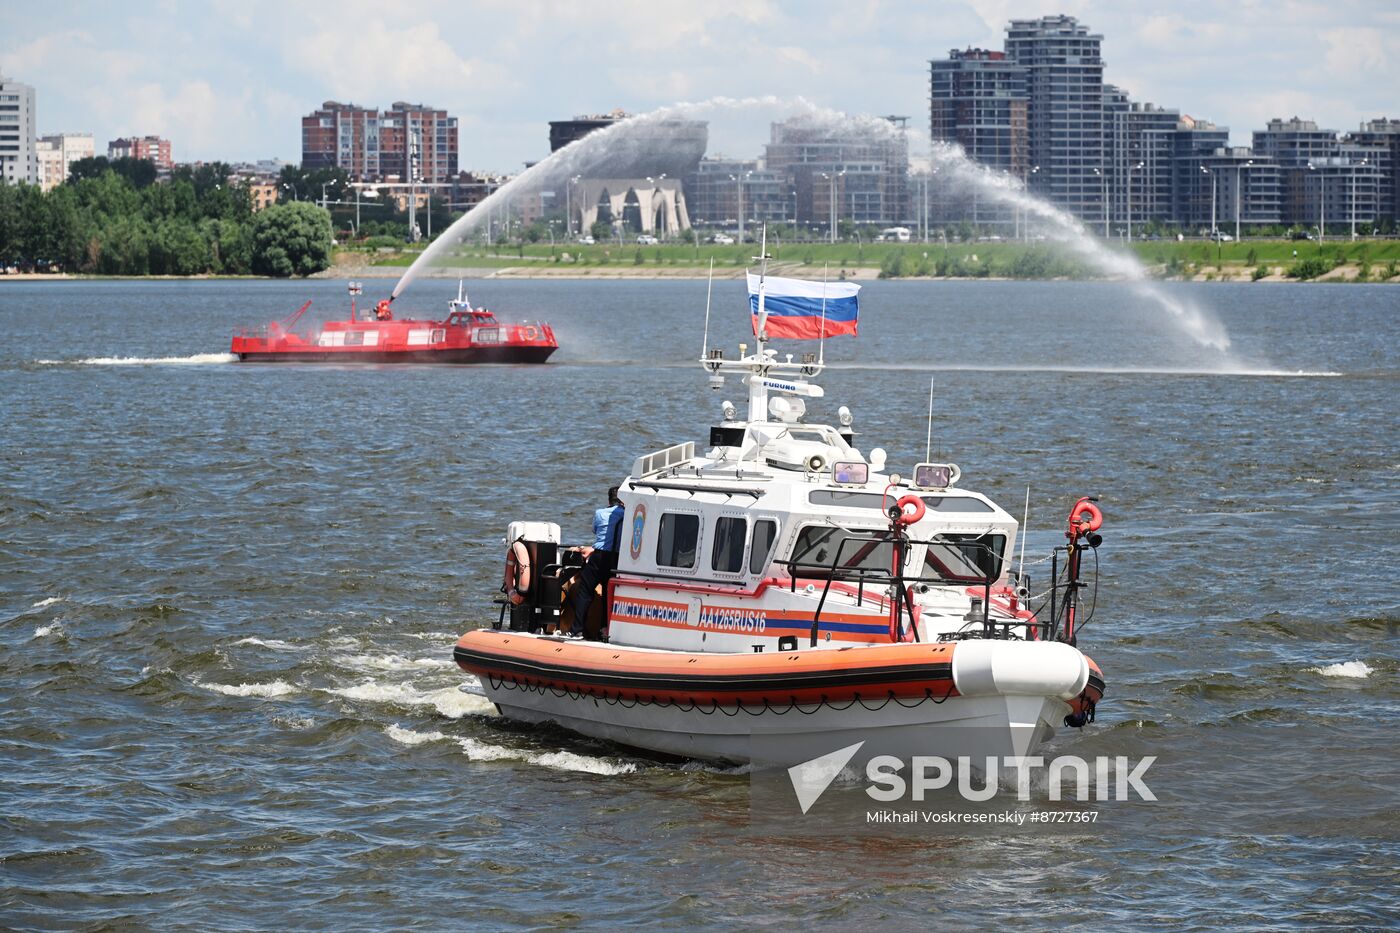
949, 162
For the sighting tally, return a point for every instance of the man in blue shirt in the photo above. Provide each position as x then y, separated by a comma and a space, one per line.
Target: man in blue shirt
599, 560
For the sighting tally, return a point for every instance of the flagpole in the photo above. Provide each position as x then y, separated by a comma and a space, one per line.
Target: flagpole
762, 274
821, 347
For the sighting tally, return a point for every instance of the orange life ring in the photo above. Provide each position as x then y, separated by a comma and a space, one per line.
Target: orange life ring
531, 332
517, 582
911, 510
1085, 525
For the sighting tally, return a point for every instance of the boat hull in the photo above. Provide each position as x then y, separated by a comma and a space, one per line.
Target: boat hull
974, 727
782, 708
462, 355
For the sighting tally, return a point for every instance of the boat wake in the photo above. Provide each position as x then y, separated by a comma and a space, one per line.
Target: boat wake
276, 688
1354, 669
447, 701
481, 751
198, 359
1106, 370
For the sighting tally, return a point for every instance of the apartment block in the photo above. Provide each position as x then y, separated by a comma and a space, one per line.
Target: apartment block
978, 100
1381, 140
406, 141
860, 176
19, 162
154, 148
1326, 180
1065, 91
58, 152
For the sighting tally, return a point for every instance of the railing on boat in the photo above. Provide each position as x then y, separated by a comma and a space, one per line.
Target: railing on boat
837, 572
663, 460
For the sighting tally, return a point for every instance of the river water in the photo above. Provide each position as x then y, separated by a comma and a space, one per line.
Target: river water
228, 596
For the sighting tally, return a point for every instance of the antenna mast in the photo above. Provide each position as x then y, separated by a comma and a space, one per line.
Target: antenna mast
709, 289
928, 442
762, 258
1025, 517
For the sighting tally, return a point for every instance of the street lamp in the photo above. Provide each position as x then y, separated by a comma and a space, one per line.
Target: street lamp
1239, 181
739, 186
1021, 209
569, 206
1131, 169
923, 214
1103, 199
831, 177
1206, 171
1353, 195
1321, 203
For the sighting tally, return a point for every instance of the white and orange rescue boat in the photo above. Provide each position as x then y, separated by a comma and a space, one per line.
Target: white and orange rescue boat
783, 595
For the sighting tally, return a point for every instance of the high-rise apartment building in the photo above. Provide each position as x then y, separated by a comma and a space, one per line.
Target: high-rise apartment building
978, 101
1141, 150
19, 161
1065, 91
405, 140
153, 148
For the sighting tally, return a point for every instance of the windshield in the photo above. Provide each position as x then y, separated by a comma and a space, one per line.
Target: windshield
818, 545
966, 558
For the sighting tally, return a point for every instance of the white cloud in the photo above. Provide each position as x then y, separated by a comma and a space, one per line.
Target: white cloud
1360, 48
369, 60
230, 78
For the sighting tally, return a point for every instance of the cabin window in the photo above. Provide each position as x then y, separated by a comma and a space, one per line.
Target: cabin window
765, 535
818, 545
354, 338
966, 558
439, 335
727, 555
677, 539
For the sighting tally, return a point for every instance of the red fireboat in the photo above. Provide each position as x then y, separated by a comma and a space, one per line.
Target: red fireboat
466, 335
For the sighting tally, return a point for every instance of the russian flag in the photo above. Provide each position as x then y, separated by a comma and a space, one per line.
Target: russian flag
802, 310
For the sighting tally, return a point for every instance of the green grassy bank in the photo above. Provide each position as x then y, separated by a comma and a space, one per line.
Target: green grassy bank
1365, 260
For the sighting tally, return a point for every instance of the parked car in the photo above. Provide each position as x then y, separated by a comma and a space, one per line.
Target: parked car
722, 239
646, 239
586, 240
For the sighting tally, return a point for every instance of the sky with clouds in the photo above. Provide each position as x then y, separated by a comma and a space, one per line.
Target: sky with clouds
230, 79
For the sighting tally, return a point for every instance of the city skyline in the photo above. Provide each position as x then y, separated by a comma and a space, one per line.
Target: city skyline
232, 81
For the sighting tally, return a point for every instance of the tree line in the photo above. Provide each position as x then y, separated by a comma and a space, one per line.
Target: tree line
116, 218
